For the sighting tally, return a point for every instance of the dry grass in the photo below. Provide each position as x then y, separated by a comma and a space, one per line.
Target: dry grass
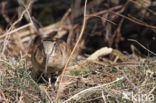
90, 82
105, 79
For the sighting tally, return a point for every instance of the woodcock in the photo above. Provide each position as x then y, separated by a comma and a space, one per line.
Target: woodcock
48, 56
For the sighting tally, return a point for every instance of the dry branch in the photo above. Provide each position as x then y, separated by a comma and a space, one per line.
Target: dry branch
82, 93
67, 62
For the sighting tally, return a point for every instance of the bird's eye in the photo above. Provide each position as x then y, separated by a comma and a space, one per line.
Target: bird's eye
41, 49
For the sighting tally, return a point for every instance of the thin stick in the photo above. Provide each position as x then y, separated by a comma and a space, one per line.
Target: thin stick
67, 62
81, 93
13, 25
16, 30
4, 61
142, 46
6, 100
48, 95
30, 19
135, 21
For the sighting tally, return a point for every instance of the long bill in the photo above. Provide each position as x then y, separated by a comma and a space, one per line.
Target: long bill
47, 60
46, 64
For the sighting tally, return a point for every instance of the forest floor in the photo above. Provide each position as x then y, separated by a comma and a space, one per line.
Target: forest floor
84, 81
123, 73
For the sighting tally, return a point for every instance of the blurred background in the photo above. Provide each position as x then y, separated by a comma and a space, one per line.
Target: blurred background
110, 23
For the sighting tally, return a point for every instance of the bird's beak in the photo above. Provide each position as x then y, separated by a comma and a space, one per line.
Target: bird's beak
46, 64
47, 60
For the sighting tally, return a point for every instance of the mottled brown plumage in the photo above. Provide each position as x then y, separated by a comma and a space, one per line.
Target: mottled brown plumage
48, 56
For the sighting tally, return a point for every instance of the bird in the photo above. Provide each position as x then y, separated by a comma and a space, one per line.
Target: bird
48, 56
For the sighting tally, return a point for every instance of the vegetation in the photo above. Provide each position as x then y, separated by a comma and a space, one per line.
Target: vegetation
123, 73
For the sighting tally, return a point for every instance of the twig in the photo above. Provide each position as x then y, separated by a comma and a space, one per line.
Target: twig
103, 97
132, 20
105, 11
80, 94
17, 36
30, 19
106, 20
7, 63
45, 30
142, 46
13, 25
153, 89
124, 74
1, 92
48, 95
13, 31
67, 62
